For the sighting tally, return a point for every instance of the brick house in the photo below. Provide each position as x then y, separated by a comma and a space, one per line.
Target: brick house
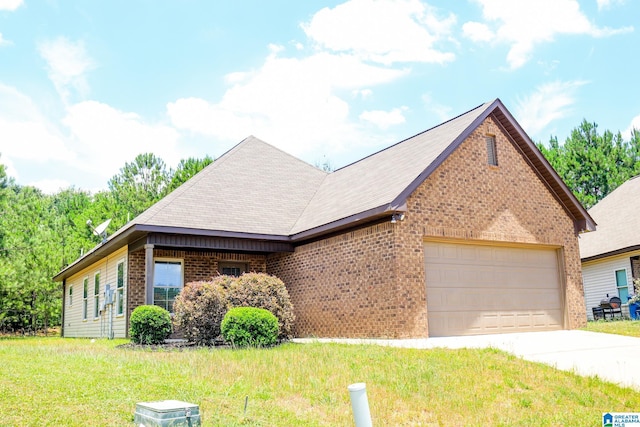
462, 229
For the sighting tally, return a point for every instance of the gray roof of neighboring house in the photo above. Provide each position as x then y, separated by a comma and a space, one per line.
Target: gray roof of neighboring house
257, 191
617, 218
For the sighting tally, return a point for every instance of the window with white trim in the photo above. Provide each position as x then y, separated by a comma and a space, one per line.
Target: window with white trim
85, 300
71, 295
167, 282
492, 152
96, 295
120, 288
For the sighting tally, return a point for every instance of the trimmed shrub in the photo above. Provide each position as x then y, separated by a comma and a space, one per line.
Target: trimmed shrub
263, 291
199, 309
149, 324
250, 326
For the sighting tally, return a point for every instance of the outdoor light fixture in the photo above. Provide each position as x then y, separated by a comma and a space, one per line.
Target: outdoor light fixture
397, 217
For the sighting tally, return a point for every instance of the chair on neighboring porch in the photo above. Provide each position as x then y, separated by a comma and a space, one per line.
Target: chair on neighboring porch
611, 307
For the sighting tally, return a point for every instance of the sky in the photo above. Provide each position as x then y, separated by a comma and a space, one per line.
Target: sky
86, 86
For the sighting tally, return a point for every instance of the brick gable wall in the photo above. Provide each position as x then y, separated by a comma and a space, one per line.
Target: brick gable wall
371, 282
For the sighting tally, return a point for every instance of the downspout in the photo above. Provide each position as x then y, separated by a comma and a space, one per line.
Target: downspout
64, 286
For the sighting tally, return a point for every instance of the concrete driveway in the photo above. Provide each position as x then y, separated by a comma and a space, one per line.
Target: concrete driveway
613, 358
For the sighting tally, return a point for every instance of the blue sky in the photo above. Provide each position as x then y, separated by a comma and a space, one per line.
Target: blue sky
85, 86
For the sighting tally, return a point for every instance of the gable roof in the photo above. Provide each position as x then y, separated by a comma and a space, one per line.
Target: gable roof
257, 191
617, 216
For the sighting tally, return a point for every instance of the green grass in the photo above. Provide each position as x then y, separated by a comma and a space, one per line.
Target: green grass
629, 328
57, 382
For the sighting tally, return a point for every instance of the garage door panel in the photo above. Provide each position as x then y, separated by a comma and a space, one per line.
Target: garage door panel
477, 289
474, 323
456, 300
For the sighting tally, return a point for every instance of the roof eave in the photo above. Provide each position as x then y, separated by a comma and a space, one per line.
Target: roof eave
99, 251
137, 231
611, 253
349, 222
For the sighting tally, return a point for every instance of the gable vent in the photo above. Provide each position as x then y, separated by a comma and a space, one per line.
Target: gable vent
492, 155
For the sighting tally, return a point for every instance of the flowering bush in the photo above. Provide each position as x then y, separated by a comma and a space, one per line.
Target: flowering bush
635, 299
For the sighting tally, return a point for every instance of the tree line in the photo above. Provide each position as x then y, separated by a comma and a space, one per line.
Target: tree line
40, 234
593, 164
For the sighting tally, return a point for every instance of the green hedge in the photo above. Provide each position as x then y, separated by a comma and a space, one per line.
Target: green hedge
250, 326
149, 324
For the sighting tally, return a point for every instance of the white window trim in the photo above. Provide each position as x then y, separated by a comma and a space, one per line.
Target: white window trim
96, 297
70, 295
124, 287
85, 299
167, 259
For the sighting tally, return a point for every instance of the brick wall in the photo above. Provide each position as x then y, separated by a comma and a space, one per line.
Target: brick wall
345, 286
371, 283
135, 283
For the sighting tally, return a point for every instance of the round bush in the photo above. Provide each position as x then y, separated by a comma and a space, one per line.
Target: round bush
199, 309
149, 324
263, 291
250, 326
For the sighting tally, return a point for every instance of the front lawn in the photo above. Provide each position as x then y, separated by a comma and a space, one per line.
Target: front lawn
629, 328
56, 382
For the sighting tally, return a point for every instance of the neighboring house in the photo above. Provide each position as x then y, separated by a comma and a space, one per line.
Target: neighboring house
462, 229
611, 256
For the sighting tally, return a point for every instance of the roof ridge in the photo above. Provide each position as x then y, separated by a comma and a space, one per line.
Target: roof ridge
306, 206
413, 136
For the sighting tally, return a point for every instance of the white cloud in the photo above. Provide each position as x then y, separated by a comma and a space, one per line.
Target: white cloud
441, 111
288, 102
477, 32
3, 41
385, 32
362, 93
106, 138
549, 102
67, 63
26, 132
50, 186
10, 5
525, 24
635, 124
384, 119
606, 4
8, 166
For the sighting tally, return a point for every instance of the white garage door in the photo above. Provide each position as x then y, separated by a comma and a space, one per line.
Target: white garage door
477, 289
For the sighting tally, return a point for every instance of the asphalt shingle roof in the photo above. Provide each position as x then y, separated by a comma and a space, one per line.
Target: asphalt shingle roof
258, 189
617, 216
253, 188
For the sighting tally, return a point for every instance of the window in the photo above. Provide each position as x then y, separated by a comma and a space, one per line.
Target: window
621, 284
96, 295
71, 295
85, 303
492, 154
167, 283
120, 288
232, 269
